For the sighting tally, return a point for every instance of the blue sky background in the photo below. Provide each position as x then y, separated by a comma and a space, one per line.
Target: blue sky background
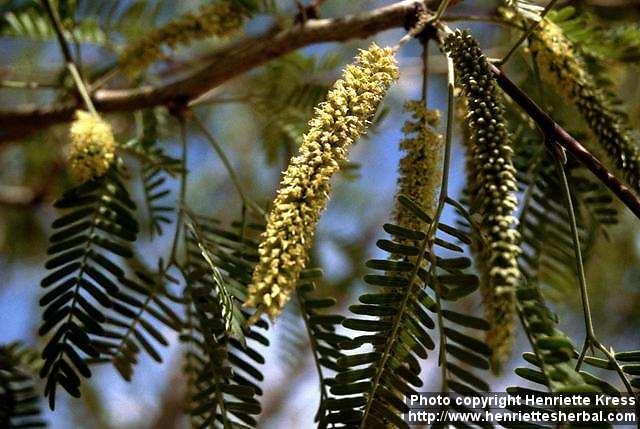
353, 206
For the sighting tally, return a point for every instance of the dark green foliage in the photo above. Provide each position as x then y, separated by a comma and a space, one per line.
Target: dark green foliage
123, 18
34, 24
551, 347
155, 169
259, 6
593, 90
19, 406
132, 324
629, 363
631, 366
88, 22
223, 370
548, 257
231, 317
220, 392
537, 375
595, 42
102, 305
465, 354
325, 344
394, 324
96, 228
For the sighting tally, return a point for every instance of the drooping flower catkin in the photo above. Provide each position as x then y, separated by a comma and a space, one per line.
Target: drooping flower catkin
305, 187
218, 19
92, 148
420, 172
561, 66
492, 192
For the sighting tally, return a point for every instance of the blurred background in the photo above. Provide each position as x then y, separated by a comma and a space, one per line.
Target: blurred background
256, 122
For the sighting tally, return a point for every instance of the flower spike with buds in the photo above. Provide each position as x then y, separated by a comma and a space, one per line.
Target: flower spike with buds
561, 66
92, 148
219, 19
420, 172
305, 187
492, 191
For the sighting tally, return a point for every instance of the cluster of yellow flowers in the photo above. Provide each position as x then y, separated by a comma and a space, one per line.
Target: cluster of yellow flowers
219, 19
564, 69
420, 174
92, 148
492, 191
305, 187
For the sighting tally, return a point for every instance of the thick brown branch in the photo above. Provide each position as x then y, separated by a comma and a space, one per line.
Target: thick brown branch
556, 133
219, 67
245, 54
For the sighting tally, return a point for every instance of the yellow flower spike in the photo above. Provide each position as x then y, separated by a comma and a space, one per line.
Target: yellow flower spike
420, 172
92, 148
305, 186
219, 19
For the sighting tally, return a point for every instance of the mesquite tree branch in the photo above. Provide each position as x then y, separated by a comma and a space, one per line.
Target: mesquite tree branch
66, 53
555, 133
220, 66
247, 53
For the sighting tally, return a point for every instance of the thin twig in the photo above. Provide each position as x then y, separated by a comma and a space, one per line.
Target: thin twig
57, 28
82, 89
26, 85
492, 19
227, 164
66, 52
527, 33
425, 73
423, 20
313, 343
183, 194
78, 47
560, 160
591, 339
444, 190
582, 280
213, 69
442, 8
104, 79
